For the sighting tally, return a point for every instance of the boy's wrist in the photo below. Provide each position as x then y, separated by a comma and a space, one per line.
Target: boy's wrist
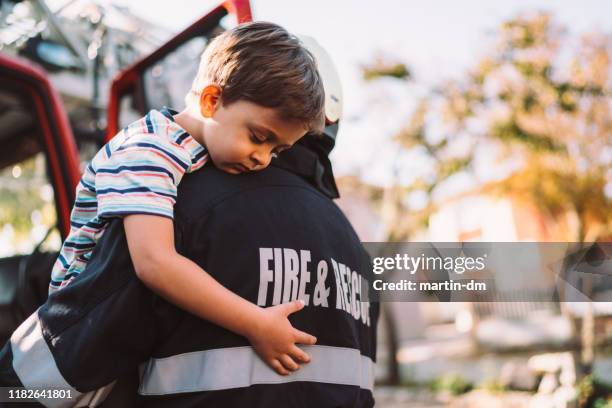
254, 322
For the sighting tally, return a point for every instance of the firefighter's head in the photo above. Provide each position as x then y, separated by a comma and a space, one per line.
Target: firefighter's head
257, 92
310, 157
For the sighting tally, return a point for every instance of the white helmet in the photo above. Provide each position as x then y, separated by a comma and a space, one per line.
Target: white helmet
330, 77
320, 147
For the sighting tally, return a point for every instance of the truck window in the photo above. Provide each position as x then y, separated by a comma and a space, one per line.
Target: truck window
27, 200
166, 81
27, 207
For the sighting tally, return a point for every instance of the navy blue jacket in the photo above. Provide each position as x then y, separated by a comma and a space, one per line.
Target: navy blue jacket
271, 237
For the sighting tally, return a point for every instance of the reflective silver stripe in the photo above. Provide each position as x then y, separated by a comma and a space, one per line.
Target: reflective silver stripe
35, 366
236, 367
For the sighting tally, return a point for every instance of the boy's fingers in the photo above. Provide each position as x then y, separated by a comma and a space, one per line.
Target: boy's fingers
288, 362
278, 367
304, 338
298, 354
293, 307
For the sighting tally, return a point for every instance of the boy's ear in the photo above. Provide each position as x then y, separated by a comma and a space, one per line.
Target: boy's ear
209, 100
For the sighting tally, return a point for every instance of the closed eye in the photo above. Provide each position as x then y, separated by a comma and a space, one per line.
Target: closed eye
253, 137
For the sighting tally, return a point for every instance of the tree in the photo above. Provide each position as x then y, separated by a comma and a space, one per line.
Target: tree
542, 99
546, 99
551, 111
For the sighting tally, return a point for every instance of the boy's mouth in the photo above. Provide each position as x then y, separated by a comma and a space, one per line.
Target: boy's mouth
242, 168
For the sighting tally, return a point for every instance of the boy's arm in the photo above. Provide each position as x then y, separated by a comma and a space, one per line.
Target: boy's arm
151, 243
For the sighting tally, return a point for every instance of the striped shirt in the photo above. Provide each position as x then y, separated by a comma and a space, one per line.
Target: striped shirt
137, 172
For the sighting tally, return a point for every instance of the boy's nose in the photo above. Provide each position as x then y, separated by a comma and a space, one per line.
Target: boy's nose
260, 159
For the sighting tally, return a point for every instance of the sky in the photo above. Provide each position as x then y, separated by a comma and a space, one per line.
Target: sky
436, 39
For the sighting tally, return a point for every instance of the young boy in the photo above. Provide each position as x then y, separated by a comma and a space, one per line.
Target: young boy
256, 93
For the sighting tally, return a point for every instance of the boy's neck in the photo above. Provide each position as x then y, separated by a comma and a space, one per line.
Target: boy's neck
188, 120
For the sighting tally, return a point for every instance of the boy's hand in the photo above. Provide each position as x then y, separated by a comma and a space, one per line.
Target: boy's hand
274, 338
182, 282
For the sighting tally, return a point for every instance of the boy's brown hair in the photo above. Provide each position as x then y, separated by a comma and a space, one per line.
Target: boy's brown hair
262, 63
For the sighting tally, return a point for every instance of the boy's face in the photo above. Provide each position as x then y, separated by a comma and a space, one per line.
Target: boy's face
243, 136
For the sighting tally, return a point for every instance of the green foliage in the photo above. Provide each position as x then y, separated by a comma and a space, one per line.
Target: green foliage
532, 70
453, 383
593, 393
530, 101
602, 403
413, 134
385, 69
510, 131
525, 32
449, 167
493, 386
567, 96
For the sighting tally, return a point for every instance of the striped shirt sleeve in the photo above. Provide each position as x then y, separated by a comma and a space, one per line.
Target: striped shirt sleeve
139, 177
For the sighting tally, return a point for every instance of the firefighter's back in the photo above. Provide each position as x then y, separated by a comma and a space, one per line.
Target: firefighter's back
271, 238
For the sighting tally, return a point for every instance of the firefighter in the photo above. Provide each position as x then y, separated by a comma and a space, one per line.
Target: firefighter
271, 237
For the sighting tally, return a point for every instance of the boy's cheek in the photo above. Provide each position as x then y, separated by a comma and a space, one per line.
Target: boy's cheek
238, 152
227, 154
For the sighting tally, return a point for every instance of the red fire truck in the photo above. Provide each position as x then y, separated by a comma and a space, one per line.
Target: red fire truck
40, 162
